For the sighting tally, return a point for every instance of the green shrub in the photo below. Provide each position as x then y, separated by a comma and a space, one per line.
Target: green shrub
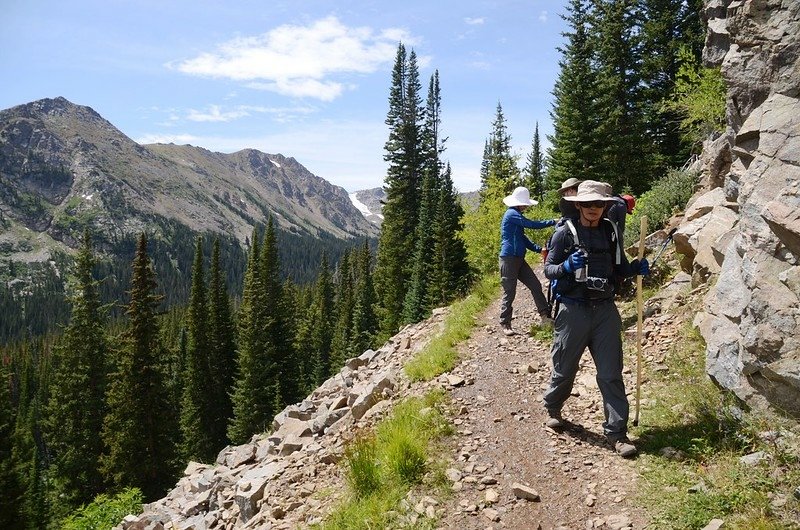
105, 511
667, 195
698, 97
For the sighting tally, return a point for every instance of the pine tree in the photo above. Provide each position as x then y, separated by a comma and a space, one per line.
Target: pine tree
449, 274
403, 189
502, 162
344, 301
222, 352
365, 323
534, 170
666, 27
140, 428
572, 152
10, 516
253, 390
278, 332
324, 319
415, 305
484, 173
75, 410
28, 453
625, 156
196, 406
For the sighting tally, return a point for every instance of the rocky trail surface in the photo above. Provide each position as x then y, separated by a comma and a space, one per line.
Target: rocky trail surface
509, 470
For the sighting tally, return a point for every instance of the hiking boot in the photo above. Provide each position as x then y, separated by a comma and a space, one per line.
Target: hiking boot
623, 446
547, 321
554, 420
506, 328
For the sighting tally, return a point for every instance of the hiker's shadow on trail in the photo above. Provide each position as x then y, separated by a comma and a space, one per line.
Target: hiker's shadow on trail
653, 440
579, 432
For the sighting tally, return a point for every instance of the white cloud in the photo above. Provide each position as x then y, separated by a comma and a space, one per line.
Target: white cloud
299, 61
543, 16
179, 139
477, 21
214, 114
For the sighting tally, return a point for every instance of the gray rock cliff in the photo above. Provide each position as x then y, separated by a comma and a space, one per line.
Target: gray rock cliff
741, 232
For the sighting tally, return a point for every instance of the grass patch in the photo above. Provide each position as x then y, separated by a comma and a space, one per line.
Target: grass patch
382, 467
441, 355
709, 432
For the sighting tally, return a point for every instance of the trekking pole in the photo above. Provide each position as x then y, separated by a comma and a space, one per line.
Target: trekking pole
640, 311
664, 245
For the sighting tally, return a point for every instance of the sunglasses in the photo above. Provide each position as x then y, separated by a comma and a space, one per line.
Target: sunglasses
593, 204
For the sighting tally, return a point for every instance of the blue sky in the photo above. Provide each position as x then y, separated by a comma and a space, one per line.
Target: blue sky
307, 79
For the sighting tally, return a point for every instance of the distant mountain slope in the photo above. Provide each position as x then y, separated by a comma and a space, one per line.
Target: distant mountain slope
63, 166
370, 204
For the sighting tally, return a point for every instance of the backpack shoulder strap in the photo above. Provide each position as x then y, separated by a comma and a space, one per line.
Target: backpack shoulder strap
613, 233
615, 240
575, 239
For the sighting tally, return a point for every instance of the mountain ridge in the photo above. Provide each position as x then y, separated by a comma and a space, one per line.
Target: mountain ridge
63, 167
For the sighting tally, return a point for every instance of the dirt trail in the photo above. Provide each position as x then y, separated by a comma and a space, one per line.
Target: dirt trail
502, 439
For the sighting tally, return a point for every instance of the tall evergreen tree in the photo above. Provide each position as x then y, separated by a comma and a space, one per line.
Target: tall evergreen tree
75, 410
222, 351
254, 392
572, 151
666, 26
403, 189
140, 428
502, 162
344, 301
534, 170
484, 173
324, 319
196, 406
29, 454
415, 305
278, 332
10, 516
449, 274
625, 155
365, 323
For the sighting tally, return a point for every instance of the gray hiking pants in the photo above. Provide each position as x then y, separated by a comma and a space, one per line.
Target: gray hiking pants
513, 268
596, 326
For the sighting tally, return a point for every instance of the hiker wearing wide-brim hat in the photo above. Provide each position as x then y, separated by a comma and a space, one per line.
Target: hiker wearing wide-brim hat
568, 188
583, 260
568, 185
513, 246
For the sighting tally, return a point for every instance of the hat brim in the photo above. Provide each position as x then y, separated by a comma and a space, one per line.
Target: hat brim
512, 202
572, 185
589, 197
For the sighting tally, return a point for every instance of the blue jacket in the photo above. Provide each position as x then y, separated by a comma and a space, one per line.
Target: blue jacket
513, 241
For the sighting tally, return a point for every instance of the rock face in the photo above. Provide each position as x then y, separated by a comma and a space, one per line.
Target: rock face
288, 478
743, 229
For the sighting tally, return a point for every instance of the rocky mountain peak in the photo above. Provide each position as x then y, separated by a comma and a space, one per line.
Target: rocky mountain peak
63, 167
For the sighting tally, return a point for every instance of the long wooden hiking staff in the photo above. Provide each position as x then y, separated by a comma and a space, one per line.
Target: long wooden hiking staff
640, 311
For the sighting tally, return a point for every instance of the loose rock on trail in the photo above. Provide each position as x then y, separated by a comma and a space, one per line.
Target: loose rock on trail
510, 471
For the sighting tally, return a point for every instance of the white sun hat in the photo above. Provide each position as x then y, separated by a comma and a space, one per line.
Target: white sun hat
519, 197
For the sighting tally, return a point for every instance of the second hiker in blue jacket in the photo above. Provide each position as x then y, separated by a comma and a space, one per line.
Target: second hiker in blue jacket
513, 245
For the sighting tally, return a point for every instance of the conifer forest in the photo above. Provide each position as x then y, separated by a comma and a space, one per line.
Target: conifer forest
119, 371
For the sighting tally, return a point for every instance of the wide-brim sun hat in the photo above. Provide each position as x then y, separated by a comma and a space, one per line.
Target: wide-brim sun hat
591, 190
519, 197
571, 182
